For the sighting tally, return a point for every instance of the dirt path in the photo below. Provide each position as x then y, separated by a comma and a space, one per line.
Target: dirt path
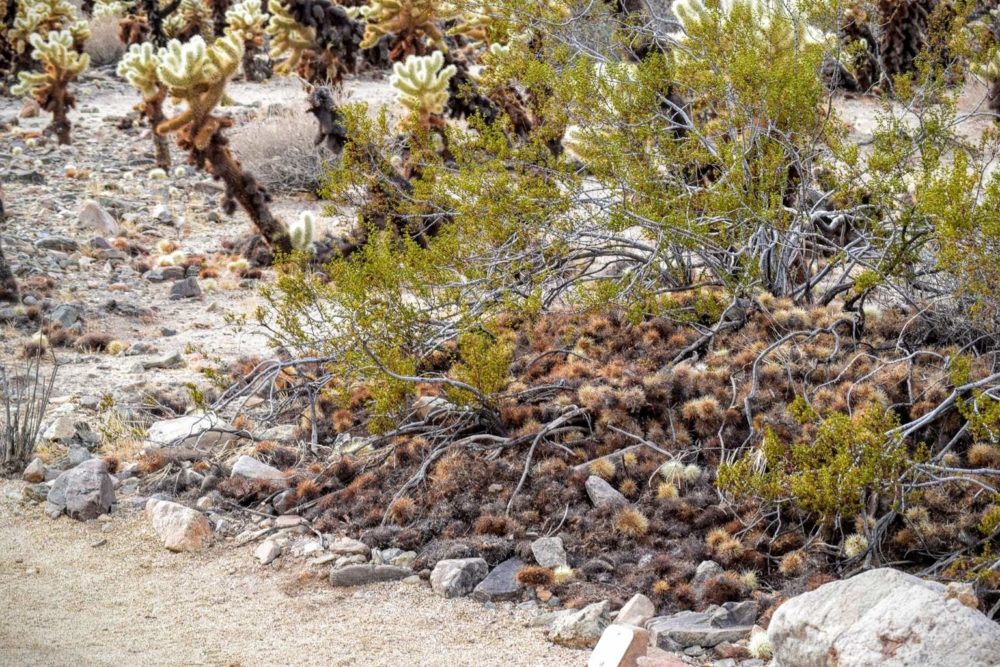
64, 601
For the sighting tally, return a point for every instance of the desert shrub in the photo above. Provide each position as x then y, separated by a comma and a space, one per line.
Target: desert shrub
104, 46
850, 460
24, 396
278, 148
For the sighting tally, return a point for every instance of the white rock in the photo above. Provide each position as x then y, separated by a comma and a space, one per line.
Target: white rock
620, 646
882, 617
251, 468
179, 527
267, 551
189, 430
636, 611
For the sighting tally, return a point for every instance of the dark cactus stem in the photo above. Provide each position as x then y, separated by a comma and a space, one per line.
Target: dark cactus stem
332, 132
257, 65
153, 109
242, 189
8, 284
155, 15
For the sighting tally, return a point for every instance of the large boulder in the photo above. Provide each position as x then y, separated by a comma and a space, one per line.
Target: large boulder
882, 617
179, 527
84, 492
458, 577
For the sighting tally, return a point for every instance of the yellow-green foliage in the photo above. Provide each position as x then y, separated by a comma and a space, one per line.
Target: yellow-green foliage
407, 19
289, 39
830, 477
246, 19
60, 61
138, 66
963, 211
43, 16
484, 363
421, 83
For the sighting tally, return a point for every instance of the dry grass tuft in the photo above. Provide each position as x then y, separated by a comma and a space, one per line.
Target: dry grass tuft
278, 150
104, 46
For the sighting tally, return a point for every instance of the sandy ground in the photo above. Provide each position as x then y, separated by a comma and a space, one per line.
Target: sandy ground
64, 601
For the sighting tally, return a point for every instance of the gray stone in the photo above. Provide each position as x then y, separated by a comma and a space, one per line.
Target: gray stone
705, 571
172, 360
636, 611
35, 472
60, 243
180, 528
501, 583
280, 433
735, 613
36, 493
882, 617
66, 314
251, 468
548, 551
690, 628
346, 546
77, 455
185, 289
84, 493
582, 628
457, 577
94, 216
603, 494
359, 575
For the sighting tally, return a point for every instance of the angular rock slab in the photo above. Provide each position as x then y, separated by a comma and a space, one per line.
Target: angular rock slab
882, 617
691, 628
457, 577
620, 646
180, 528
603, 494
251, 468
501, 583
84, 492
189, 430
359, 575
549, 551
636, 611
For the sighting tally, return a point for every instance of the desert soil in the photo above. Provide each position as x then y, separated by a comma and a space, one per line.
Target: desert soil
107, 593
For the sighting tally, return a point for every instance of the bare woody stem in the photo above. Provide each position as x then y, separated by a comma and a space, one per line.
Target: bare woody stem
153, 109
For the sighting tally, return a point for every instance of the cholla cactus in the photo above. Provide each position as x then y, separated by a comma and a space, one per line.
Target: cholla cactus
197, 74
422, 86
302, 232
411, 23
193, 17
246, 20
61, 64
113, 8
139, 67
40, 17
319, 39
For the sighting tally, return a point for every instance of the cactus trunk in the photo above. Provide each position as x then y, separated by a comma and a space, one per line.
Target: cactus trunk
8, 284
60, 125
242, 188
153, 108
256, 64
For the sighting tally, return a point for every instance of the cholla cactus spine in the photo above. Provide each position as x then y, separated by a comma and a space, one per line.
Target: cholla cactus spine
422, 86
288, 37
246, 20
50, 88
40, 17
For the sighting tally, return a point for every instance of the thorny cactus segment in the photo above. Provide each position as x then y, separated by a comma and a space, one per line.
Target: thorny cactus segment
40, 17
302, 232
332, 132
193, 17
411, 23
423, 88
319, 38
246, 20
61, 64
115, 8
289, 39
197, 74
139, 67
